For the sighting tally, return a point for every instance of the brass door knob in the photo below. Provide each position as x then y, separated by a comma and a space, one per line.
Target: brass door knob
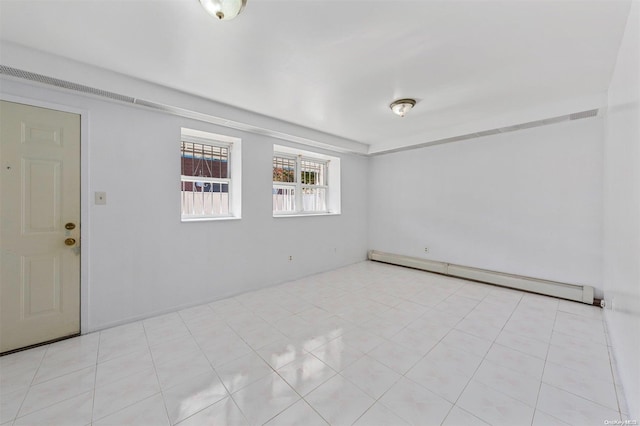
69, 226
70, 241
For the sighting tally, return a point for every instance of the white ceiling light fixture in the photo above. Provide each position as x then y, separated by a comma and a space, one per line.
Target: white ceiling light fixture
402, 106
223, 9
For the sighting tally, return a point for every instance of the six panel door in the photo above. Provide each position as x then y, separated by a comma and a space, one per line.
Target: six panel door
40, 225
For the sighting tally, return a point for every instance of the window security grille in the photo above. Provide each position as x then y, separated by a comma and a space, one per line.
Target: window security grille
205, 180
299, 185
284, 184
314, 185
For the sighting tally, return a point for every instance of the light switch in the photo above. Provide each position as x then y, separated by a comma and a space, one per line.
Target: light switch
101, 198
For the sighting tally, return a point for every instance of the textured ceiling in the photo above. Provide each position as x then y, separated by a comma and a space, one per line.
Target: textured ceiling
334, 66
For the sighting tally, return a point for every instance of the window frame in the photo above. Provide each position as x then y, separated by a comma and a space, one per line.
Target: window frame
232, 180
330, 183
287, 185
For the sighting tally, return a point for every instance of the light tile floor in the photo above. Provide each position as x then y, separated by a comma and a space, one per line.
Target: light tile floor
368, 344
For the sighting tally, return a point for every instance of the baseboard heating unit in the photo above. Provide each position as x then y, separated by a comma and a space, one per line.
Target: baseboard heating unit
578, 293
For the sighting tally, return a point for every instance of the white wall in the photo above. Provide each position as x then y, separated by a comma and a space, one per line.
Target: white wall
622, 213
526, 202
140, 259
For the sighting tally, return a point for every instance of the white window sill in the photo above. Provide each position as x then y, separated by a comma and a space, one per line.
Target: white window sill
279, 216
209, 219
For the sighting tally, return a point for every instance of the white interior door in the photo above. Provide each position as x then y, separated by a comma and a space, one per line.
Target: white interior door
39, 225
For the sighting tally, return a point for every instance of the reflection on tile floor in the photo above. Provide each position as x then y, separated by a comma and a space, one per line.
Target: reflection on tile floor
368, 344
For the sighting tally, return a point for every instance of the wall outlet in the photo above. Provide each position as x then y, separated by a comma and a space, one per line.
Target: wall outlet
290, 257
426, 249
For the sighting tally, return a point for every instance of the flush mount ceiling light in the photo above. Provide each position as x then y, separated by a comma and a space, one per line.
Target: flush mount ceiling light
223, 9
402, 106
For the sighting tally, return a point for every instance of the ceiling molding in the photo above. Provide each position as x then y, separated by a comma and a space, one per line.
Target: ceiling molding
528, 125
20, 74
208, 118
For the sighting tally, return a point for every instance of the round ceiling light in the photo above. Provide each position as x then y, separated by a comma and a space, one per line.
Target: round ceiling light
402, 106
223, 9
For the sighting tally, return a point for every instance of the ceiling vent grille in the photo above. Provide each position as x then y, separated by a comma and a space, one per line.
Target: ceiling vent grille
583, 114
39, 78
182, 112
538, 123
14, 72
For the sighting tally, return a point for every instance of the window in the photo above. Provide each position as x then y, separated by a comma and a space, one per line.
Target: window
302, 184
208, 176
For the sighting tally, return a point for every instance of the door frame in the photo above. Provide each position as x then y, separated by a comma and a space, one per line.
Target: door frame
85, 240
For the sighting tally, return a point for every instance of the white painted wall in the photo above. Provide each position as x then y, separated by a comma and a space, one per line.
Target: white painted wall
139, 259
622, 213
526, 202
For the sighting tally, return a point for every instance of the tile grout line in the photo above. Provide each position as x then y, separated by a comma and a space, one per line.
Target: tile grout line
422, 358
128, 405
155, 370
302, 397
95, 377
573, 370
24, 398
455, 404
339, 373
282, 378
485, 358
614, 372
544, 367
568, 368
229, 394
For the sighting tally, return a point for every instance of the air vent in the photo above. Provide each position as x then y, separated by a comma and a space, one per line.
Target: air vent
26, 75
583, 114
516, 127
14, 72
182, 112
